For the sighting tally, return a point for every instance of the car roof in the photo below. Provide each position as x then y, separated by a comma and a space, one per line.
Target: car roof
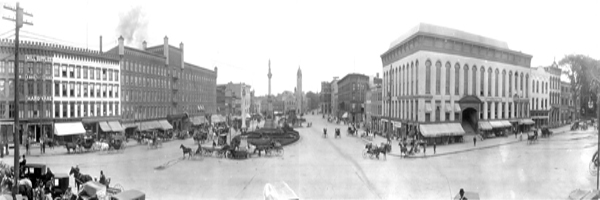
61, 175
34, 165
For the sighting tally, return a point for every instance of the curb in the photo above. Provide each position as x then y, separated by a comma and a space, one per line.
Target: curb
460, 151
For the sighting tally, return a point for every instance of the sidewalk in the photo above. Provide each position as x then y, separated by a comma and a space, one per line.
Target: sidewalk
466, 146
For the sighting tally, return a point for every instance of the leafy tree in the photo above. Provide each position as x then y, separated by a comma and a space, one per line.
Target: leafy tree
584, 74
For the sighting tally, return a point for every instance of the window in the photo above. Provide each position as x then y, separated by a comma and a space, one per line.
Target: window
30, 88
503, 83
466, 79
448, 78
92, 109
2, 88
40, 88
78, 89
427, 77
64, 109
110, 91
116, 75
85, 72
21, 88
78, 71
71, 89
427, 117
482, 80
496, 88
85, 90
56, 89
110, 75
85, 110
474, 80
456, 78
71, 71
78, 109
92, 91
527, 86
116, 89
98, 72
91, 73
510, 81
438, 108
438, 74
56, 109
104, 74
72, 110
521, 85
2, 110
98, 94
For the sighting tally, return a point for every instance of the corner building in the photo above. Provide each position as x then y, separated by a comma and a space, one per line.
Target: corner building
445, 83
159, 86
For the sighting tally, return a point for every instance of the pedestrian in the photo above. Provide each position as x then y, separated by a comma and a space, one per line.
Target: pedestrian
515, 131
474, 140
424, 148
434, 145
43, 146
27, 146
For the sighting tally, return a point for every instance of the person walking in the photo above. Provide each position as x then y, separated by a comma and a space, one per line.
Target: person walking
27, 146
474, 141
434, 145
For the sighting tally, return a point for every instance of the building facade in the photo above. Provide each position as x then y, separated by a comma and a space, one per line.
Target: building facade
445, 81
334, 98
60, 87
159, 85
351, 96
234, 99
540, 95
325, 98
300, 100
373, 107
568, 111
554, 92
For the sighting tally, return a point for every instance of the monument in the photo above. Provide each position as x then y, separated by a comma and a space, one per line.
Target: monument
270, 118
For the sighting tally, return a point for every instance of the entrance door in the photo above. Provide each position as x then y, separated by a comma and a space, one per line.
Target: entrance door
469, 120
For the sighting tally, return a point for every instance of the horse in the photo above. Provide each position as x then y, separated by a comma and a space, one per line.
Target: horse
186, 150
102, 146
71, 145
79, 177
384, 148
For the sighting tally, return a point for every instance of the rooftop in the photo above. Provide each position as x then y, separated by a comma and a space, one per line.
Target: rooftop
454, 33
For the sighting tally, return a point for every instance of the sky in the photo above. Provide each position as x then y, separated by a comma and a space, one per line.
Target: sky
325, 38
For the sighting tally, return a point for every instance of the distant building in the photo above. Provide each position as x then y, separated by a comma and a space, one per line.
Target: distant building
373, 107
568, 111
334, 98
235, 99
351, 96
325, 97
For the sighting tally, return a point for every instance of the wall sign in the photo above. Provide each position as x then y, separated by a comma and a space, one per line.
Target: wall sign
37, 58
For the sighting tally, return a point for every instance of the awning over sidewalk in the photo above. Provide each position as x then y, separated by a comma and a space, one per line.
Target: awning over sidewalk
500, 124
526, 122
484, 125
217, 119
104, 126
149, 125
116, 126
165, 125
198, 120
68, 128
443, 129
397, 124
345, 115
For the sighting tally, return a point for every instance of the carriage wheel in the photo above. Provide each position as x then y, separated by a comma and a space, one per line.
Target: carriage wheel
279, 152
593, 168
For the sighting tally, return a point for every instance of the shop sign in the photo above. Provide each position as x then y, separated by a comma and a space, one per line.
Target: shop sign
38, 98
37, 58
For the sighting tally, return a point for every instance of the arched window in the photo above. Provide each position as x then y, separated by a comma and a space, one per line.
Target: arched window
497, 72
456, 78
489, 82
416, 76
516, 83
474, 80
521, 85
448, 65
503, 83
510, 81
438, 76
466, 79
412, 79
527, 86
482, 81
428, 77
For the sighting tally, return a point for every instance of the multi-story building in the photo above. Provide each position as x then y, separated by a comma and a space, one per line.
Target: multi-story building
222, 100
234, 99
373, 107
351, 96
59, 88
554, 94
300, 100
334, 98
540, 94
445, 81
325, 98
568, 111
159, 86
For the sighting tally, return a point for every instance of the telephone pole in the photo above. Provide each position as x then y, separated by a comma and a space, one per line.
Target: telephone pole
18, 24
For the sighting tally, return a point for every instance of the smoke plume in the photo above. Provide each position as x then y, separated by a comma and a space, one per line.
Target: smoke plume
133, 26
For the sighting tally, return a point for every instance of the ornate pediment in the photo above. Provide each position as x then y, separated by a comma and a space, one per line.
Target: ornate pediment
470, 99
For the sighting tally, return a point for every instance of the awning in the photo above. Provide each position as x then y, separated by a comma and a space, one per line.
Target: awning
129, 125
69, 128
526, 122
484, 125
177, 116
198, 120
443, 129
104, 126
397, 124
345, 115
457, 107
500, 124
116, 126
165, 125
216, 119
428, 107
149, 125
448, 108
248, 115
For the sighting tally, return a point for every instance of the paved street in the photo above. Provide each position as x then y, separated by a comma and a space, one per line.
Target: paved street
328, 168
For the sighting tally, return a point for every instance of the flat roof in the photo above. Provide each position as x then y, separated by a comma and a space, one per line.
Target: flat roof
449, 32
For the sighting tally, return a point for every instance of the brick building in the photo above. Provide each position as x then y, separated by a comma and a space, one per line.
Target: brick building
325, 97
351, 96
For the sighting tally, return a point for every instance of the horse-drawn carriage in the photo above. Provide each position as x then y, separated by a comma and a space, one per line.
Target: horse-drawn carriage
270, 147
213, 150
546, 132
373, 151
337, 133
200, 136
532, 137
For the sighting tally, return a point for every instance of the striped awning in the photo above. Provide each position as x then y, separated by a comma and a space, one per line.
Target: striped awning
149, 125
165, 125
69, 128
500, 124
526, 122
443, 129
484, 125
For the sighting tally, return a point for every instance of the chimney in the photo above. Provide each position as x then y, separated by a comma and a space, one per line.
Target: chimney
144, 45
121, 46
166, 50
100, 44
216, 71
182, 60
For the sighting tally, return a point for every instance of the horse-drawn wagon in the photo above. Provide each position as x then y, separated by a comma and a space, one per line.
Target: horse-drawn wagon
213, 150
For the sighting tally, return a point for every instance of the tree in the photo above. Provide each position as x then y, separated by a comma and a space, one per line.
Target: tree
584, 74
313, 100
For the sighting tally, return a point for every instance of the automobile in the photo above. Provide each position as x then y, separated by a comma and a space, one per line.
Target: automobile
60, 185
34, 172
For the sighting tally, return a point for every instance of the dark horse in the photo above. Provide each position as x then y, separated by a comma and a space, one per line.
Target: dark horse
71, 145
79, 177
383, 149
186, 150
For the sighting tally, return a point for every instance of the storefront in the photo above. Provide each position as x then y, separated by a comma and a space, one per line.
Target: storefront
68, 131
485, 129
525, 125
501, 128
442, 133
178, 121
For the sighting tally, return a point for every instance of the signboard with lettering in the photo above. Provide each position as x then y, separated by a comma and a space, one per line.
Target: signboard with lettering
38, 58
39, 98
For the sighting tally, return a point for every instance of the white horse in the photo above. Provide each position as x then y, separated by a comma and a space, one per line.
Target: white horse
102, 146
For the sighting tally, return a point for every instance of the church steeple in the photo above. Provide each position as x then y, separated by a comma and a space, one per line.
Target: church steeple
299, 72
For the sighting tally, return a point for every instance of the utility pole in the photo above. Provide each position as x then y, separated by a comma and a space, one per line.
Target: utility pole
18, 24
390, 101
